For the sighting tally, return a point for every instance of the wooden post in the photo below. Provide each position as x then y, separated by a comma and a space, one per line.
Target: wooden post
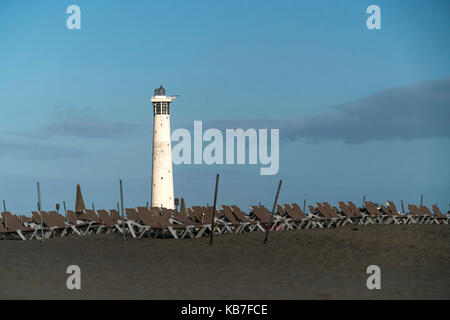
304, 205
65, 208
214, 210
123, 214
421, 199
273, 212
403, 208
93, 207
364, 202
39, 209
4, 205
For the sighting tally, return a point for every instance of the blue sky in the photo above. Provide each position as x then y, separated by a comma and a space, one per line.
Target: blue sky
74, 103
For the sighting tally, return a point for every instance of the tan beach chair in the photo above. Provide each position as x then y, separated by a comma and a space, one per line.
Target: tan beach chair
334, 213
401, 218
417, 215
148, 223
13, 225
3, 231
80, 227
365, 218
156, 225
321, 215
431, 217
389, 216
263, 217
182, 218
282, 214
96, 224
6, 233
59, 221
376, 215
345, 209
204, 216
53, 223
230, 218
116, 216
133, 220
177, 229
327, 215
298, 217
444, 219
108, 222
244, 218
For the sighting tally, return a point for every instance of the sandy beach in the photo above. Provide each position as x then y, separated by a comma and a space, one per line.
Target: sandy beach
307, 264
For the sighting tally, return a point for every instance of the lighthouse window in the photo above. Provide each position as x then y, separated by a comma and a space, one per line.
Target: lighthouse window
161, 108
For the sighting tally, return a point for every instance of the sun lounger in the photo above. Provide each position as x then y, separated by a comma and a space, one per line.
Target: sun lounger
178, 218
345, 209
80, 227
3, 231
365, 218
13, 225
108, 222
231, 218
93, 218
133, 220
61, 222
204, 216
334, 213
400, 217
431, 217
53, 223
116, 216
444, 219
281, 213
157, 223
6, 233
417, 215
149, 223
375, 214
182, 217
326, 217
298, 219
264, 217
243, 218
386, 213
177, 229
323, 220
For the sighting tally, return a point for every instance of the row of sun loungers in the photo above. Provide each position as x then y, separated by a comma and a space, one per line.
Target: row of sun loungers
195, 222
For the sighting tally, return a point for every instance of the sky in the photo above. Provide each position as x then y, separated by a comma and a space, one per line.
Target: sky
360, 112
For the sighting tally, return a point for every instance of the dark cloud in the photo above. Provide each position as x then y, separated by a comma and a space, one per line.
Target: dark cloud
85, 127
37, 151
415, 111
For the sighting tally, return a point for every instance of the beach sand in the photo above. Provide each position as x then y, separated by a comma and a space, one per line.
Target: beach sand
308, 264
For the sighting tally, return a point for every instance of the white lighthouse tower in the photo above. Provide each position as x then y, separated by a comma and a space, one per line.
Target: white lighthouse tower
162, 176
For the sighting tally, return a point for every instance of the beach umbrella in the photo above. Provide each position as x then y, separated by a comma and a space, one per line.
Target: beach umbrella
183, 207
79, 204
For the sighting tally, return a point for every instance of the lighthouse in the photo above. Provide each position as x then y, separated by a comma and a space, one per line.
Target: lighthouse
162, 176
